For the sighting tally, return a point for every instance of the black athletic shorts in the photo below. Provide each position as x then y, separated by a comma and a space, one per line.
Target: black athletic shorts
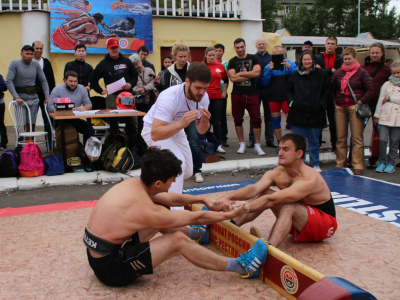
123, 266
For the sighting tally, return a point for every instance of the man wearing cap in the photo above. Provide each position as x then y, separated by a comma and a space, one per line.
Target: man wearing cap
112, 68
308, 45
21, 82
81, 29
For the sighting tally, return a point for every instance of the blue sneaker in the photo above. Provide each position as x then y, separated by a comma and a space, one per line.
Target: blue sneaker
253, 259
380, 168
203, 230
389, 169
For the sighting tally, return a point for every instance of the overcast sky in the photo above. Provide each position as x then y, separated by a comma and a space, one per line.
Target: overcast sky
395, 3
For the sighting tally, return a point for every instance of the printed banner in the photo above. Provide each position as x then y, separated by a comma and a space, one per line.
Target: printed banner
92, 23
370, 197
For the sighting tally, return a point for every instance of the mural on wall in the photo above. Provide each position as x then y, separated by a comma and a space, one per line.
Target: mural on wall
92, 23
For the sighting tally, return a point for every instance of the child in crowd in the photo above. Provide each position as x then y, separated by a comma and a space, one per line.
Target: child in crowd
387, 115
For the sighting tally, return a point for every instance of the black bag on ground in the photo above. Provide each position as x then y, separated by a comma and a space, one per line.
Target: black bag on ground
117, 158
8, 165
208, 153
115, 137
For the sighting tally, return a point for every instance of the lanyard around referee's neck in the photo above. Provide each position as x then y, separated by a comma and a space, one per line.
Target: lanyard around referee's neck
187, 104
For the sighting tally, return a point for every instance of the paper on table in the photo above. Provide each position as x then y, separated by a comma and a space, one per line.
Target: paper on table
124, 111
115, 86
85, 112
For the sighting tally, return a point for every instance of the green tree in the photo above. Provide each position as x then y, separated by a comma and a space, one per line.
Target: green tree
300, 21
269, 12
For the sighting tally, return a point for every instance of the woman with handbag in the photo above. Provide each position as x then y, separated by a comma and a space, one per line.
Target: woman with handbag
387, 115
351, 85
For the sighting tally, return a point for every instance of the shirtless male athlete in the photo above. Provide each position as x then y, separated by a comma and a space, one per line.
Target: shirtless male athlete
121, 227
303, 205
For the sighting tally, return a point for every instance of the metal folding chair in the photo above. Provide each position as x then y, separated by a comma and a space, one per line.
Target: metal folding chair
21, 115
53, 131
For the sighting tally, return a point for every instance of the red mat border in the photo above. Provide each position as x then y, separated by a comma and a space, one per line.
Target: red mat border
38, 209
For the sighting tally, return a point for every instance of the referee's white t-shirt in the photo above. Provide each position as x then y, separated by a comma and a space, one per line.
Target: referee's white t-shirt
172, 104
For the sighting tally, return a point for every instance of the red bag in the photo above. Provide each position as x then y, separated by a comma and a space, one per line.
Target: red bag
374, 143
31, 161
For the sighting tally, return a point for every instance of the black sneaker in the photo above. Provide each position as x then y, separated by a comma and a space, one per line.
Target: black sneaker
250, 144
398, 165
371, 165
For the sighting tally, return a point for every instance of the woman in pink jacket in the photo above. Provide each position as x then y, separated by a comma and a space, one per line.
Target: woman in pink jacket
387, 115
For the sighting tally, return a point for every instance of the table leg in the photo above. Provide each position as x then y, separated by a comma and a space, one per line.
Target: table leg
64, 151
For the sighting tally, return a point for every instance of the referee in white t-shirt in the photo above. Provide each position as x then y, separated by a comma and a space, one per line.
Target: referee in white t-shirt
175, 108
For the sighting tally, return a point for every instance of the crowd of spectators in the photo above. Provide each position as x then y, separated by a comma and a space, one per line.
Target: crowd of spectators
314, 92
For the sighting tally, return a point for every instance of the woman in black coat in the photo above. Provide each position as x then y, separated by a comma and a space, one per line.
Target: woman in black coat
308, 89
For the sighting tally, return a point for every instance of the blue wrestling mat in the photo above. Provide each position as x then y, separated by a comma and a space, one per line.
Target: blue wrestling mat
215, 188
371, 197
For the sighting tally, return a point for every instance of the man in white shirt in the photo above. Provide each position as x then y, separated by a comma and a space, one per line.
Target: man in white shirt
174, 110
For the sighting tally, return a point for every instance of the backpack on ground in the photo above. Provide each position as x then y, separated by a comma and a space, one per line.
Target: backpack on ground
31, 161
123, 161
208, 153
71, 141
53, 163
8, 165
115, 137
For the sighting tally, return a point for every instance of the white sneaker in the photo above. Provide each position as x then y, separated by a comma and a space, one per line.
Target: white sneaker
198, 178
258, 150
317, 168
242, 148
220, 150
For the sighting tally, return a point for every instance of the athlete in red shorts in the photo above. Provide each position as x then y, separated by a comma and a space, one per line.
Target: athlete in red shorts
302, 202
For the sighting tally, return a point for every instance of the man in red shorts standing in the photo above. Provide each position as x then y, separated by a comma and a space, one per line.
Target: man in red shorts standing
302, 204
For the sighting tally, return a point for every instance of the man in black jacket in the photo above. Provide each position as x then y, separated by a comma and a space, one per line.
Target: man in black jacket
49, 74
82, 68
330, 62
112, 68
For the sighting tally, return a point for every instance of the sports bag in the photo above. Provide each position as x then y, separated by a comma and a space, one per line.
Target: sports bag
53, 163
123, 161
31, 161
8, 165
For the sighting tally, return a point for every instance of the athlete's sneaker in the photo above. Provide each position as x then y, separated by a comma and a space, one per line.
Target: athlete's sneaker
258, 150
389, 169
242, 148
380, 168
203, 230
253, 259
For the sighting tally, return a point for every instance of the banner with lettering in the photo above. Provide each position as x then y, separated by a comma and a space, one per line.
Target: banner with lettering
92, 23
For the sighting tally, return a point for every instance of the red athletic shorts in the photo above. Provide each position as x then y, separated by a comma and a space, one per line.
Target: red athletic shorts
277, 106
320, 226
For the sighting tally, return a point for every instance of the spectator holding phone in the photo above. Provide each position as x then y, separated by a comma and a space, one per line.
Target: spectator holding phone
275, 79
